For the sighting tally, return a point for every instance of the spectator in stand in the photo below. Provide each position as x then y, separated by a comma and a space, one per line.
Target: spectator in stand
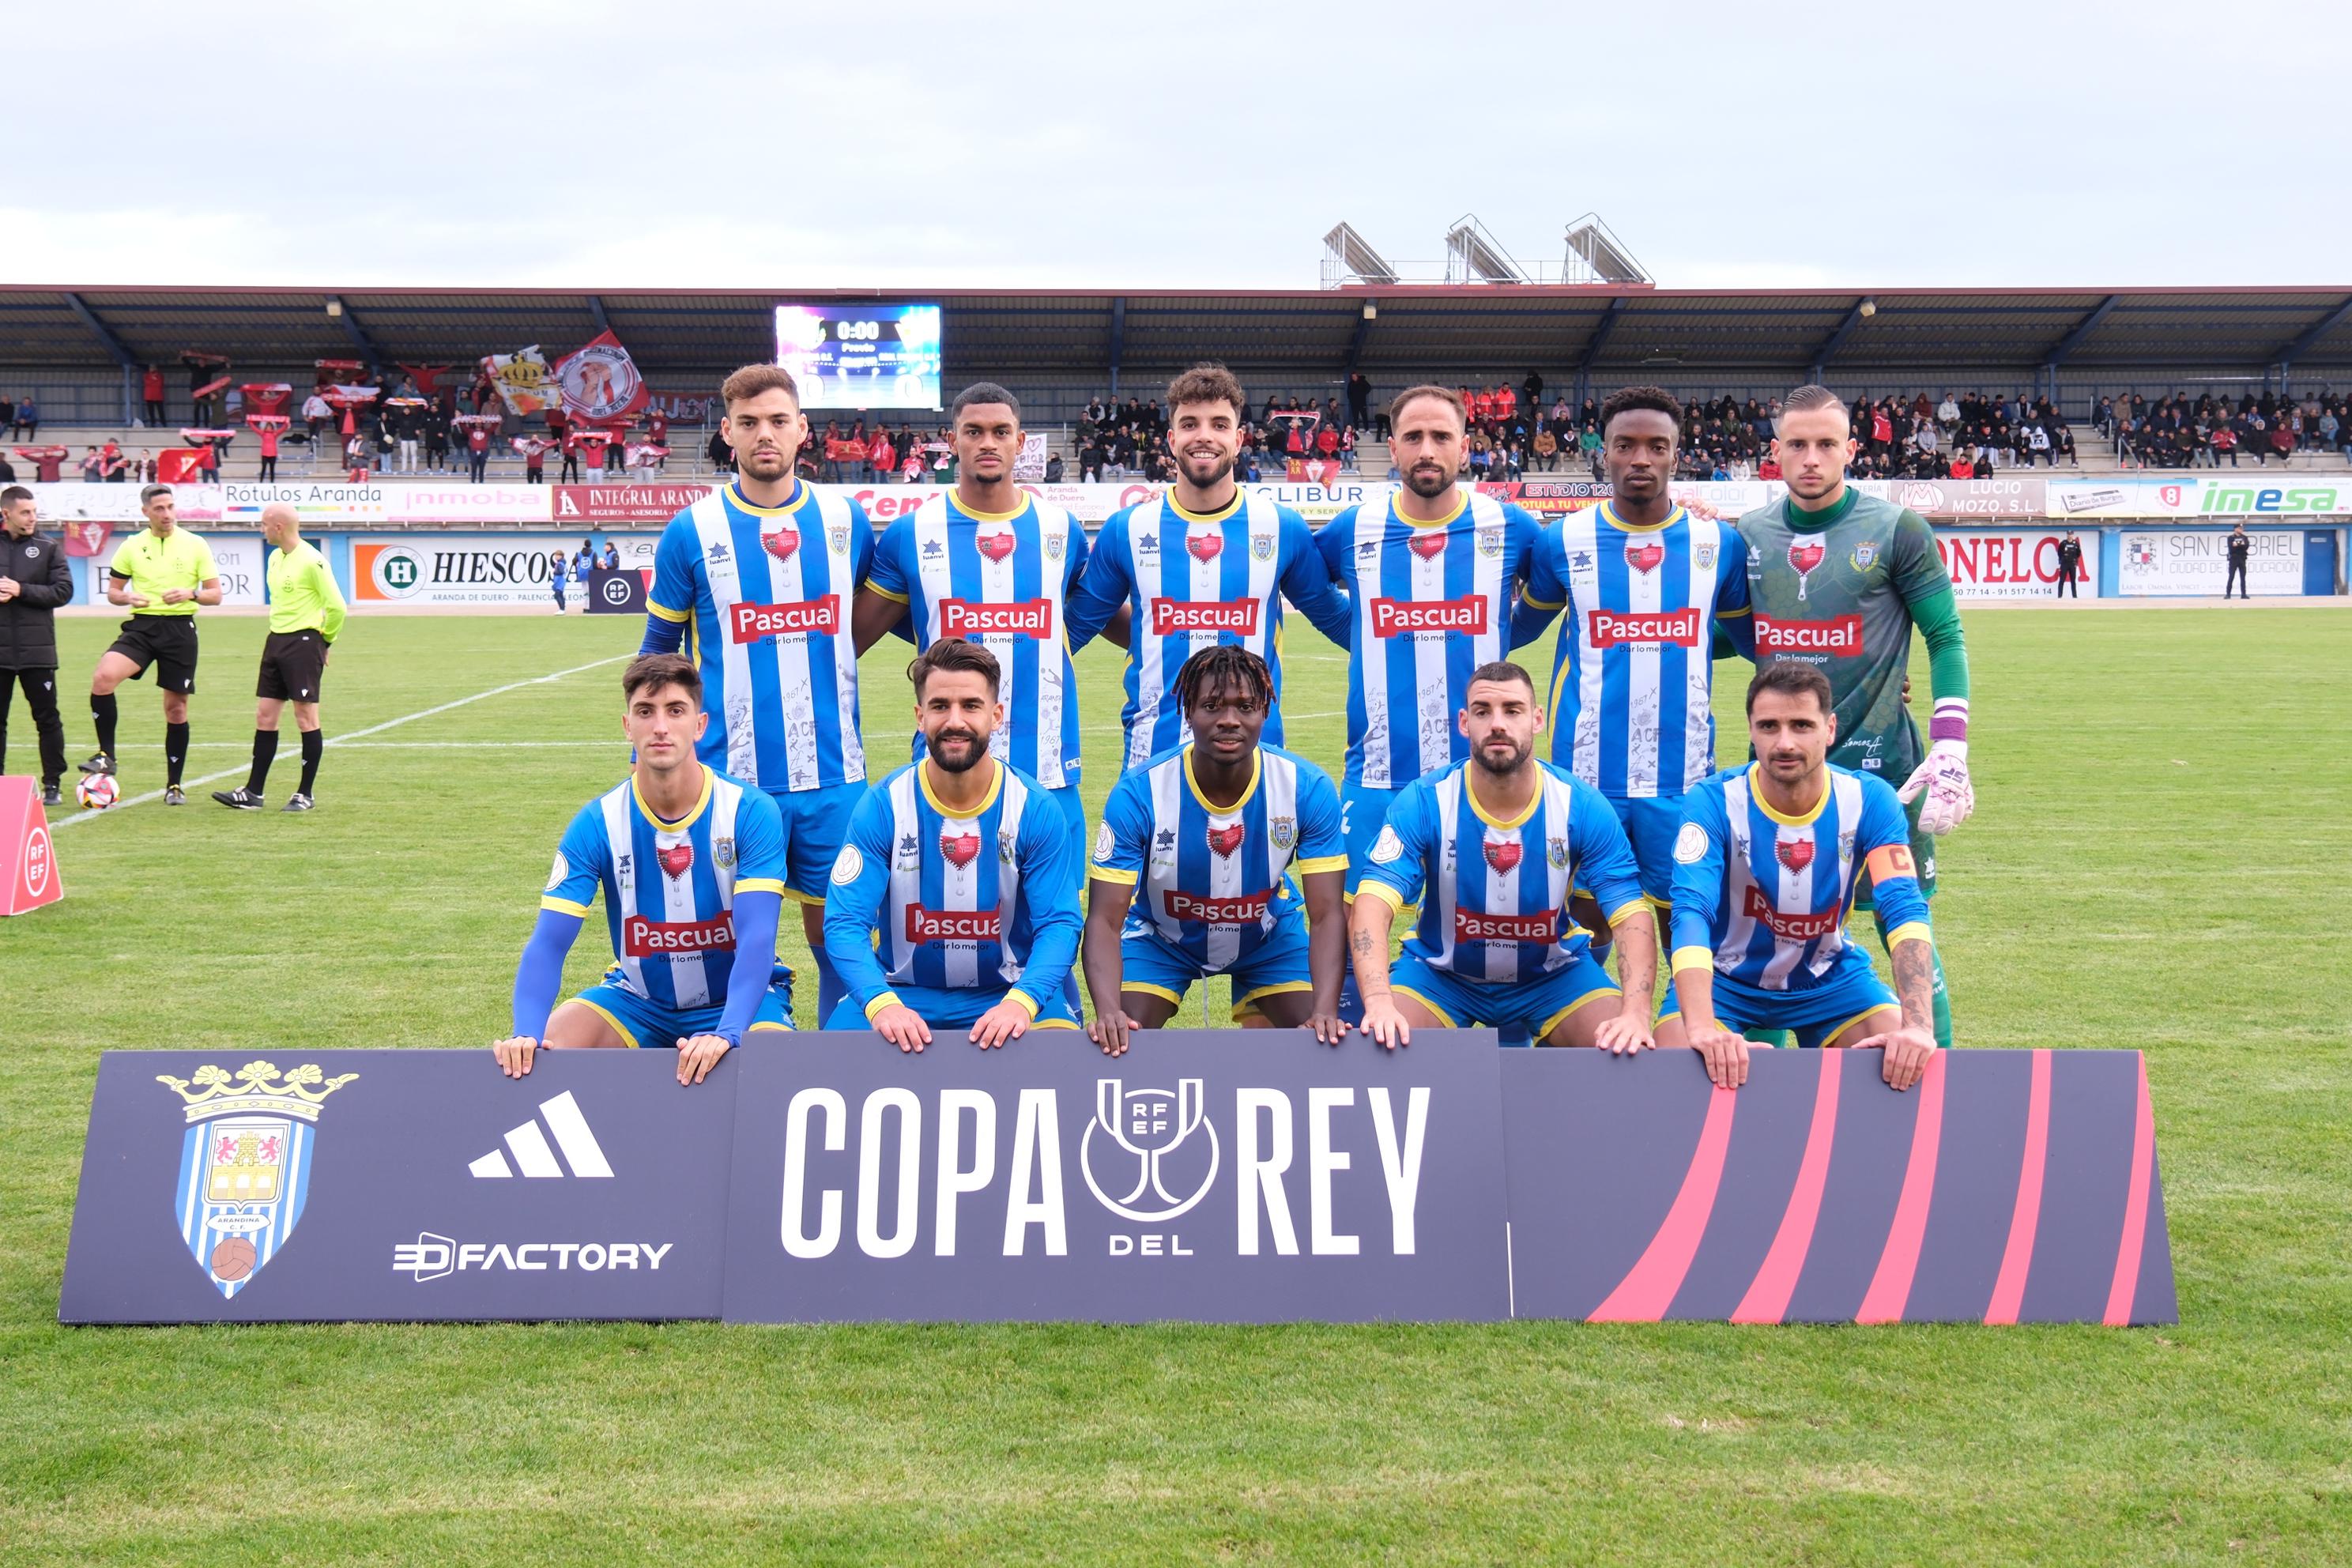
355, 462
1348, 450
27, 421
534, 460
2282, 439
477, 452
7, 411
315, 412
570, 443
2037, 446
881, 456
1053, 467
1546, 450
1327, 442
93, 468
150, 393
722, 456
616, 451
7, 471
269, 452
1964, 464
1360, 399
437, 438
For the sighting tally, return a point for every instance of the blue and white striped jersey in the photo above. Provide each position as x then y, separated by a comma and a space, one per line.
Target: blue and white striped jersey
1432, 603
983, 901
1002, 582
1216, 883
765, 594
1763, 898
1495, 906
670, 887
1196, 580
1634, 675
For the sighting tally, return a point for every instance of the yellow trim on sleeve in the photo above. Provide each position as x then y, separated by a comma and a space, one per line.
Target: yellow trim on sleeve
1314, 865
563, 906
760, 885
1727, 615
888, 999
1909, 931
1690, 958
1382, 892
1112, 874
1628, 907
1023, 1000
886, 593
665, 612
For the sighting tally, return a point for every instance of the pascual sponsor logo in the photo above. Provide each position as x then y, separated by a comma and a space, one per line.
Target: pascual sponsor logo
432, 1256
1027, 617
1839, 636
1171, 616
1611, 628
750, 622
1403, 617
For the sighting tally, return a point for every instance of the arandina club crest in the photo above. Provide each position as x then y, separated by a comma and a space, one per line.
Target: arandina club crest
245, 1165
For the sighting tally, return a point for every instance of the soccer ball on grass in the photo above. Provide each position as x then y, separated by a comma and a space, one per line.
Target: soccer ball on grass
96, 791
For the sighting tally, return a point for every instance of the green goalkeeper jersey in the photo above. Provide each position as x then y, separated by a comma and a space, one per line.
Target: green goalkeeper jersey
1841, 589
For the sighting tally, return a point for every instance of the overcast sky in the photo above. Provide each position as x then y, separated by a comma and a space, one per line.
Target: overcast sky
587, 145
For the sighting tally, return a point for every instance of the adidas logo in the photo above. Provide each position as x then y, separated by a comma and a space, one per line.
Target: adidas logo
529, 1147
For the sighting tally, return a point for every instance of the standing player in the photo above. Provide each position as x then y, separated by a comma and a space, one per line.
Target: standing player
1838, 579
760, 574
1497, 844
1204, 566
1643, 583
965, 870
1191, 869
33, 582
305, 614
162, 573
692, 866
1766, 867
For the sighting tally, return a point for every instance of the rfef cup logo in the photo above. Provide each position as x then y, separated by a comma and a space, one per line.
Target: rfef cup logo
245, 1164
1149, 1127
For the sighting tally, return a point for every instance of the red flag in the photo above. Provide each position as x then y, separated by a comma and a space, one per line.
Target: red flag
600, 380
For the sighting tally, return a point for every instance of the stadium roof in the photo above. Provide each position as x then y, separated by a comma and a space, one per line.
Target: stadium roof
1483, 329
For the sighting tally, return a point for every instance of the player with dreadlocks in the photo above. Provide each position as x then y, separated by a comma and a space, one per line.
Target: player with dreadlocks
1192, 870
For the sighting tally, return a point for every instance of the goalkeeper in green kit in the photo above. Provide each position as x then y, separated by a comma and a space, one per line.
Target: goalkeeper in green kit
1838, 579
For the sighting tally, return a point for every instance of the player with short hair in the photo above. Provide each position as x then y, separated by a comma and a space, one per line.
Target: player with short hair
1837, 580
1491, 848
306, 614
760, 574
963, 863
1192, 870
692, 865
162, 573
1202, 565
1766, 868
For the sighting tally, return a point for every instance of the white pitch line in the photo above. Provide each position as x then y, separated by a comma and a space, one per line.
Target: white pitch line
355, 735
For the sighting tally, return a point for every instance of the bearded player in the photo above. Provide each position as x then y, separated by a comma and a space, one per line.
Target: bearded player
1204, 566
761, 572
1838, 579
1491, 849
691, 864
1766, 868
1192, 870
962, 866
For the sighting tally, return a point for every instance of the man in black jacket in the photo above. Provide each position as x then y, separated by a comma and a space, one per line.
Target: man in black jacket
2070, 565
33, 581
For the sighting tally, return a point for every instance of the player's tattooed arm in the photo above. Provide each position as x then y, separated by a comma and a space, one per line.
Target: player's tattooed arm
1910, 1048
1915, 981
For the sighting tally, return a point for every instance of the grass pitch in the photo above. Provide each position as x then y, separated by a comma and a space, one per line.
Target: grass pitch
2157, 861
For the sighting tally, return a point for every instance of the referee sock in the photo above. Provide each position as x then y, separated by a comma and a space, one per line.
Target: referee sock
176, 751
314, 746
101, 713
264, 751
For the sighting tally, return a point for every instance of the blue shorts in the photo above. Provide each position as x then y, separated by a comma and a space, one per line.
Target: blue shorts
1149, 962
1363, 812
1536, 1006
957, 1008
816, 825
1652, 825
653, 1026
1814, 1015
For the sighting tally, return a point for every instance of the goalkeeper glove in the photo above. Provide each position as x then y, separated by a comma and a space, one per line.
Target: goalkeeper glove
1943, 778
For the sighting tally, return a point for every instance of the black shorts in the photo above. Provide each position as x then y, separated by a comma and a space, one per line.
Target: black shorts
293, 666
167, 642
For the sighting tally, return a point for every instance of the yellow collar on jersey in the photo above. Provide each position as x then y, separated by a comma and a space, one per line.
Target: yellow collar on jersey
995, 788
1218, 515
1757, 793
1257, 770
801, 492
663, 823
1460, 501
1469, 788
1608, 515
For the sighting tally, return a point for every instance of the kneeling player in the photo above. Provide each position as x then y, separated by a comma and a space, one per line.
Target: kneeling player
692, 866
964, 864
1191, 869
1765, 870
1498, 843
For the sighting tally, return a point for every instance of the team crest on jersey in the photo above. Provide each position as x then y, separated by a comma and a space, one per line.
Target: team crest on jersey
1226, 839
1106, 845
558, 872
1503, 857
995, 546
1007, 841
1282, 832
1262, 546
722, 854
1054, 547
1204, 546
1645, 555
1388, 846
1558, 849
783, 543
1865, 555
961, 849
837, 540
1804, 554
1490, 542
1690, 843
1703, 557
1794, 853
676, 860
1428, 546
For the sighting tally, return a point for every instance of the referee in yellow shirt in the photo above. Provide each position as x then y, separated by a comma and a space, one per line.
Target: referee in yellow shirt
162, 573
306, 614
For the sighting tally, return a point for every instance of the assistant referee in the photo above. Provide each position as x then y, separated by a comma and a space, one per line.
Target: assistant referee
306, 614
163, 572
